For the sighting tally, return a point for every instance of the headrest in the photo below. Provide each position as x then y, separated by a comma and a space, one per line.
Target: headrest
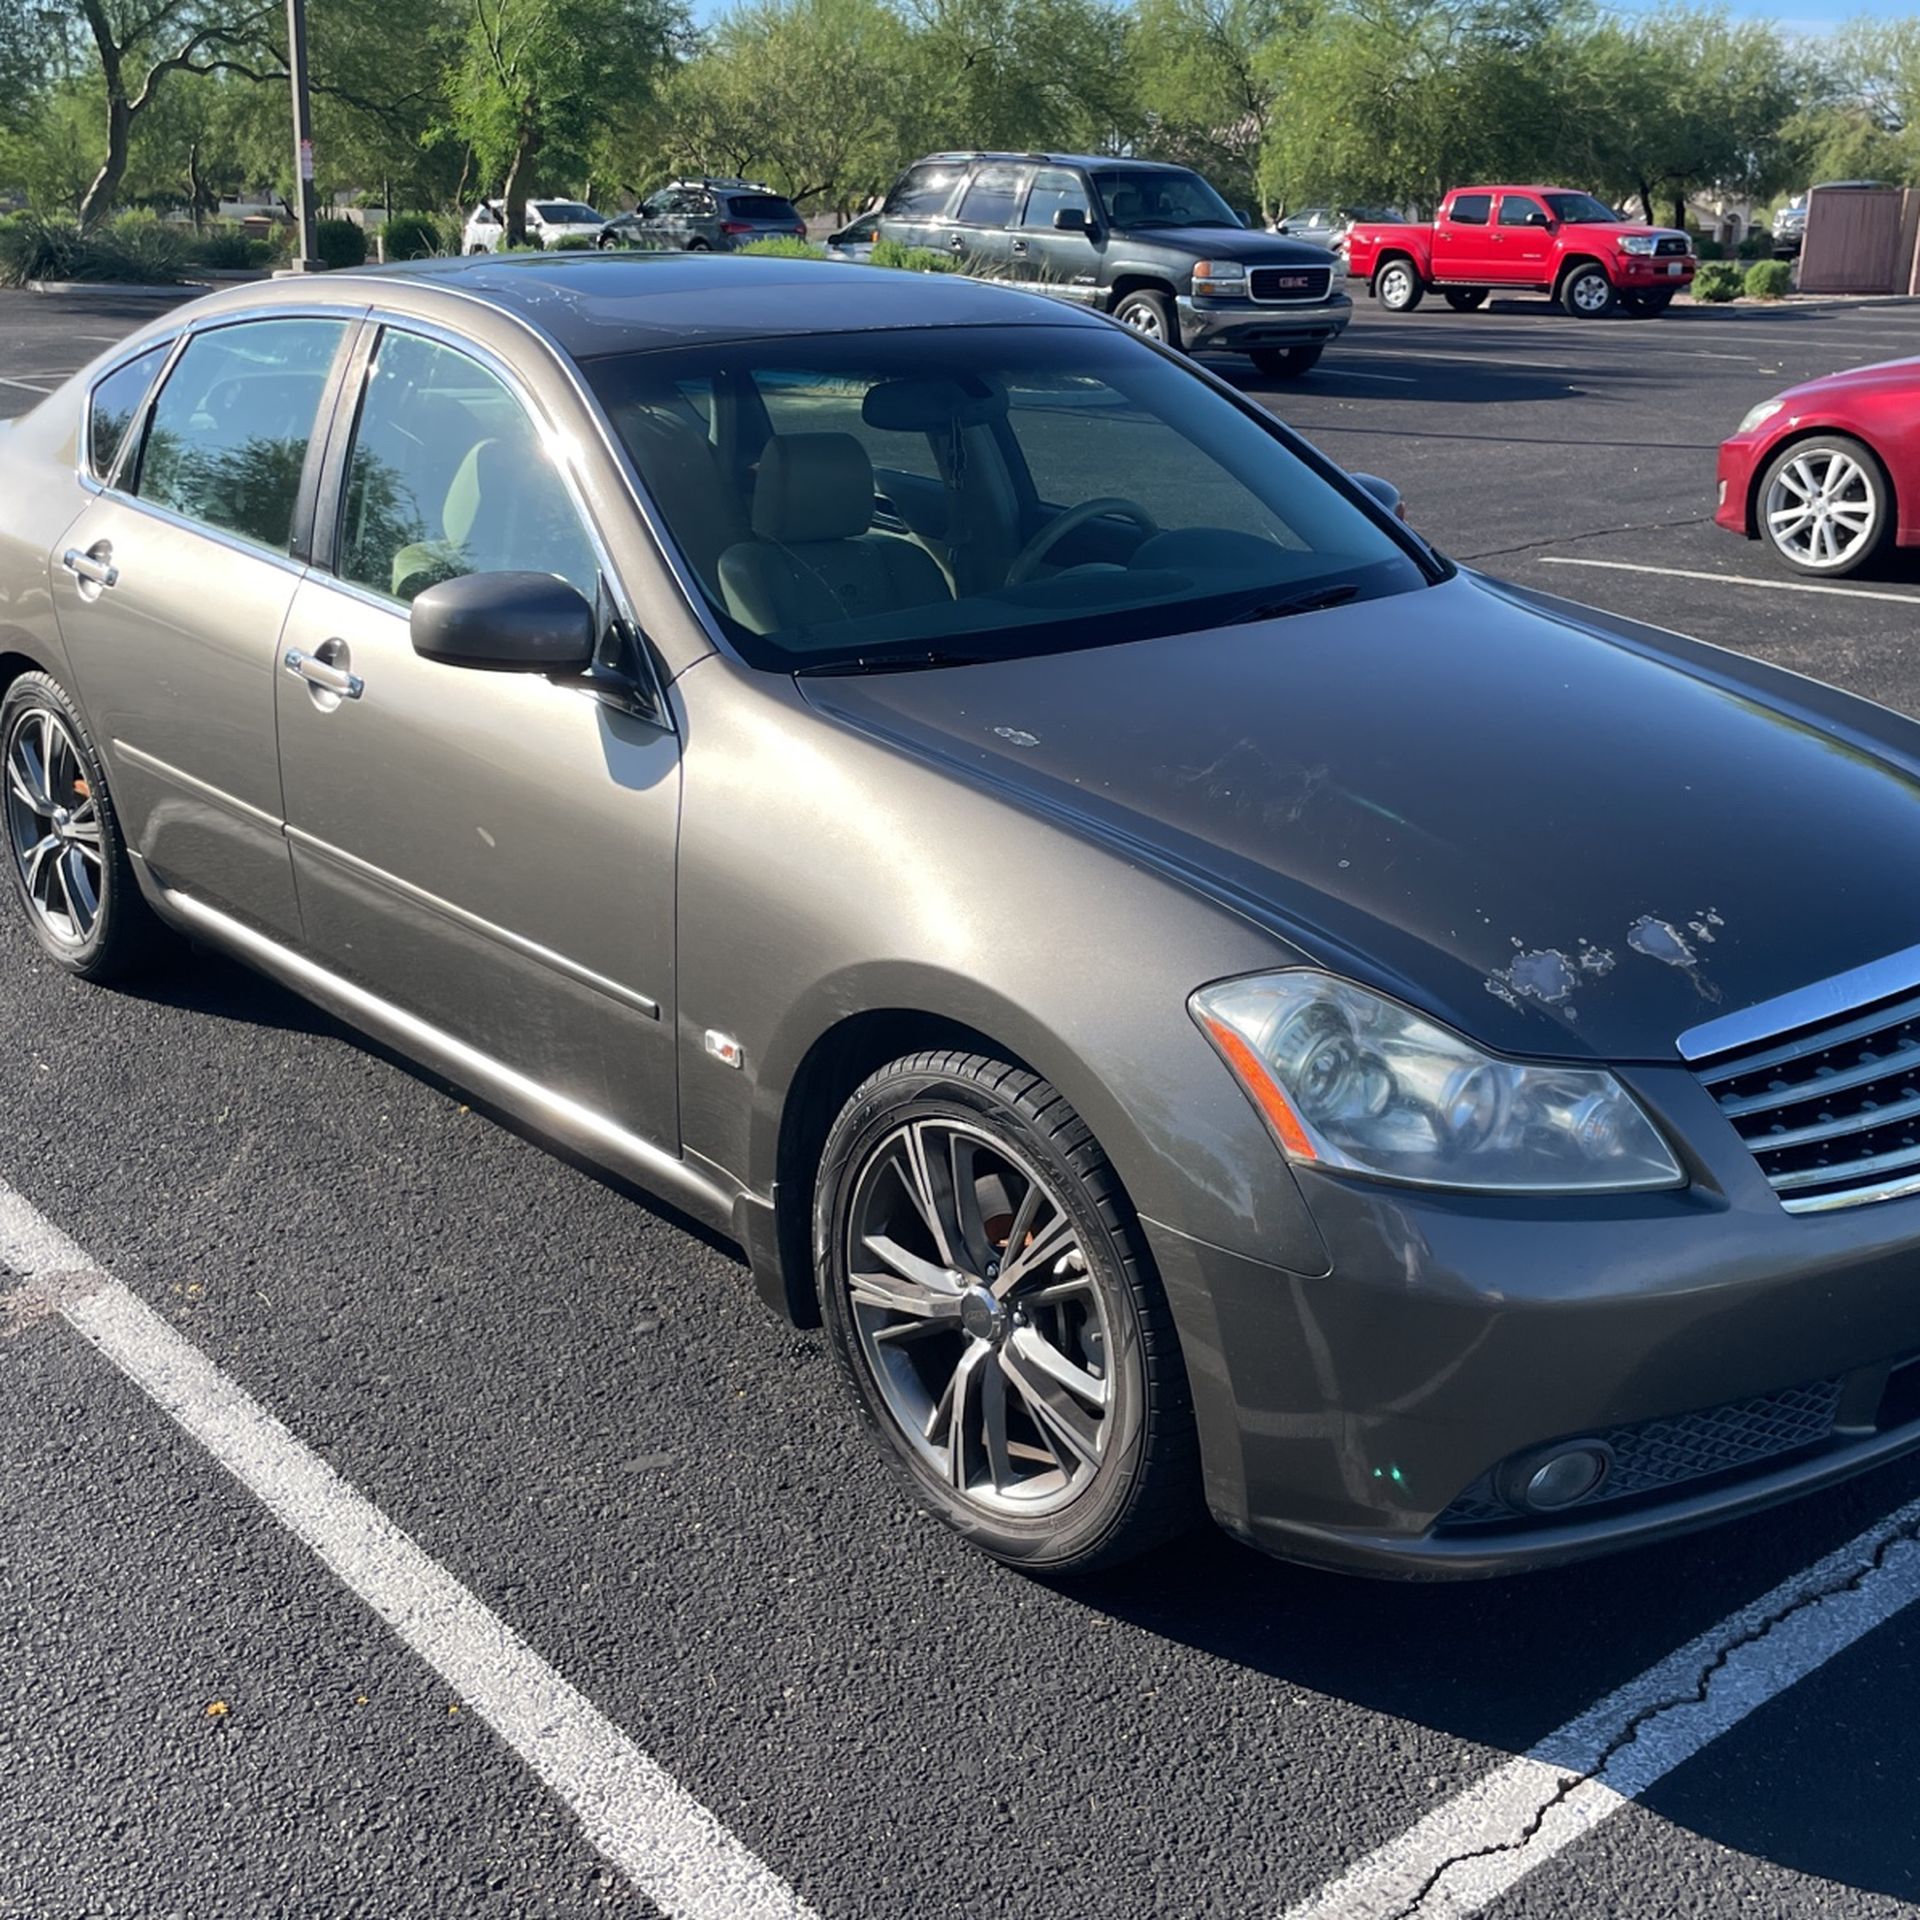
932, 404
813, 486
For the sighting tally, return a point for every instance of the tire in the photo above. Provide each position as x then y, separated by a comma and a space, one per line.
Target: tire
1149, 313
1286, 363
606, 242
1464, 299
1646, 305
68, 802
1858, 516
1586, 292
698, 246
1061, 1483
1397, 285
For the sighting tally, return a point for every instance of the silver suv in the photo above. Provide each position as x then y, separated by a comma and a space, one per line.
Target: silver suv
706, 215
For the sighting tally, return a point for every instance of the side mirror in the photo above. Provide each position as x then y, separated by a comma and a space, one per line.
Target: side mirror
505, 623
1245, 216
1070, 219
1382, 492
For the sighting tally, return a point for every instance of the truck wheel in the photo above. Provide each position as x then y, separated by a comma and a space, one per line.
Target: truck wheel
1656, 301
1149, 313
1586, 292
1397, 287
1286, 363
1465, 299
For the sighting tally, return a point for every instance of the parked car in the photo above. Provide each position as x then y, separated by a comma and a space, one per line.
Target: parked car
1329, 226
1205, 998
1790, 228
855, 240
547, 222
1827, 473
1153, 245
706, 215
1523, 240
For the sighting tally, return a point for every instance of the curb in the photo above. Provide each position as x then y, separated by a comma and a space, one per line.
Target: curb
179, 290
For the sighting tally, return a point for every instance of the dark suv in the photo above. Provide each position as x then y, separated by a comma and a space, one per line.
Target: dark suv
705, 216
1153, 245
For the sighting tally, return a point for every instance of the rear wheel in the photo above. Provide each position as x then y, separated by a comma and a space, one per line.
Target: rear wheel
65, 853
1286, 363
1587, 293
697, 245
1149, 313
1465, 299
993, 1306
1397, 286
1826, 506
607, 242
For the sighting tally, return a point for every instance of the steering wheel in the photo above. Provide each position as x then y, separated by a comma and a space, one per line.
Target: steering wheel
1028, 559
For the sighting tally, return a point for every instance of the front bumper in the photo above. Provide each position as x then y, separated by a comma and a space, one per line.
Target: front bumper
1734, 486
1647, 273
1361, 1419
1245, 326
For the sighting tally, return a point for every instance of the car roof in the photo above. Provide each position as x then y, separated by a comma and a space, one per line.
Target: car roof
592, 303
1104, 161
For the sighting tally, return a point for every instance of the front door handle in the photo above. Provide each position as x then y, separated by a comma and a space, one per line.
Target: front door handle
958, 244
1020, 247
95, 566
323, 674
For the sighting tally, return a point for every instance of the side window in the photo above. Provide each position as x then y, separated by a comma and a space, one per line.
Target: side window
114, 403
921, 193
992, 197
1516, 210
1053, 188
448, 476
1471, 209
229, 432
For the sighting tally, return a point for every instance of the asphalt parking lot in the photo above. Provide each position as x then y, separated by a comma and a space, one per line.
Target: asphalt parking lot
586, 1427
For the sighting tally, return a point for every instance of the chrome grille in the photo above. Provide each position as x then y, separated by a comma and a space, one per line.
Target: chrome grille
1670, 244
1277, 284
1832, 1113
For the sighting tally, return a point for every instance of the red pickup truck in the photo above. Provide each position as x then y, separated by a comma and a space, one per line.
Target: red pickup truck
1527, 239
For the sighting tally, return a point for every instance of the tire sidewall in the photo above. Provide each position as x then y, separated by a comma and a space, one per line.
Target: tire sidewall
1399, 272
876, 1111
1579, 277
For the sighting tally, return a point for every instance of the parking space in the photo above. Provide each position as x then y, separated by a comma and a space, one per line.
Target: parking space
569, 1401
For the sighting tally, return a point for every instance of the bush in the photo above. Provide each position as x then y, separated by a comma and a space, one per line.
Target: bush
412, 236
894, 253
222, 245
133, 249
1758, 245
571, 243
1770, 279
783, 246
340, 243
1705, 247
1718, 281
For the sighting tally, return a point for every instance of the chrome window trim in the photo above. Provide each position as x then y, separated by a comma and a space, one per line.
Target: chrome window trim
1860, 986
169, 349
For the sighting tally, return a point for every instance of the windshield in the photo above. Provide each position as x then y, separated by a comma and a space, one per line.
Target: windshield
1582, 208
1138, 197
566, 213
859, 500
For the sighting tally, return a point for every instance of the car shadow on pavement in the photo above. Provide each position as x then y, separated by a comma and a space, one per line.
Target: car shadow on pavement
1380, 377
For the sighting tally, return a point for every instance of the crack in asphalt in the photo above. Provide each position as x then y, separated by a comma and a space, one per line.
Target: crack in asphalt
1570, 1782
1596, 533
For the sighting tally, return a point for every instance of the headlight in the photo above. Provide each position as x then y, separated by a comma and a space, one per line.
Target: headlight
1220, 278
1759, 416
1637, 243
1350, 1079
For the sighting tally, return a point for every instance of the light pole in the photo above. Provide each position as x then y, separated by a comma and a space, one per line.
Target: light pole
304, 259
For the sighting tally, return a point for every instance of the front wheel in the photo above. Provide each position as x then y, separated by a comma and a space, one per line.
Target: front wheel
1825, 506
1465, 299
1647, 304
1286, 363
607, 242
1398, 287
993, 1306
1587, 293
1151, 314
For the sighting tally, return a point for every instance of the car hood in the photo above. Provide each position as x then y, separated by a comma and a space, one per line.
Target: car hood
1901, 376
1229, 243
1619, 229
1553, 838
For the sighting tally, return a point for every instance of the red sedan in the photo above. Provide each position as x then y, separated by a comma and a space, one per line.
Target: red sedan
1828, 473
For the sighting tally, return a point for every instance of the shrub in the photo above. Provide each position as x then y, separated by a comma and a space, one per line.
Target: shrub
133, 249
340, 243
222, 245
1758, 245
571, 243
894, 253
1770, 279
1705, 247
1718, 281
412, 236
783, 246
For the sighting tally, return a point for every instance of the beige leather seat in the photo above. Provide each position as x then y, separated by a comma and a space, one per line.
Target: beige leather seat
814, 559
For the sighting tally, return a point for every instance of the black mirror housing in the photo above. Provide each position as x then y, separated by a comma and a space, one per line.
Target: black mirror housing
505, 623
1382, 492
1070, 219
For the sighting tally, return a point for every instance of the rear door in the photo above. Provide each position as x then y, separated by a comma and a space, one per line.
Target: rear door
981, 237
171, 594
915, 211
1462, 249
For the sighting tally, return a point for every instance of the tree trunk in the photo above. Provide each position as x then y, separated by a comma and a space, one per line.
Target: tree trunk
526, 151
1680, 208
113, 169
196, 187
1646, 201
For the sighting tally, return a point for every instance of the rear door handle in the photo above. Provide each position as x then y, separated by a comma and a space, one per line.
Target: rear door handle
94, 567
319, 673
1020, 246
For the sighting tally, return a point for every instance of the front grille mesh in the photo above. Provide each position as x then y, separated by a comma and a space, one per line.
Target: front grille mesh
1832, 1115
1289, 283
1660, 1454
1670, 244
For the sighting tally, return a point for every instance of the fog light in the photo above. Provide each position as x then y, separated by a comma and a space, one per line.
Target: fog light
1559, 1479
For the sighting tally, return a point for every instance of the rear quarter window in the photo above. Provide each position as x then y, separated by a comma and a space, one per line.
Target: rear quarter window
113, 404
921, 193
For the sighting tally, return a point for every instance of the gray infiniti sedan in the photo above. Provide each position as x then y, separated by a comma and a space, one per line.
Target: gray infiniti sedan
1209, 1002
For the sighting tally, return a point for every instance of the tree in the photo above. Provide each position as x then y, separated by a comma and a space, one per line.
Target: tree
534, 80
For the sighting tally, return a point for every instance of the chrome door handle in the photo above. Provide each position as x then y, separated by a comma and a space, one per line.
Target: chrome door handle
83, 566
318, 673
1020, 246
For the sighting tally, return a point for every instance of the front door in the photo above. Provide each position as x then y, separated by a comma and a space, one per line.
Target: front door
171, 590
492, 852
1066, 263
1526, 241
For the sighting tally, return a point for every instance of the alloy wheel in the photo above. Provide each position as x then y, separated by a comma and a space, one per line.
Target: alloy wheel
1142, 319
1396, 284
1592, 293
53, 826
1822, 509
977, 1317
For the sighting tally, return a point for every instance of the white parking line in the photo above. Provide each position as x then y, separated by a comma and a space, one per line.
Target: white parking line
675, 1851
29, 385
1729, 579
1466, 1854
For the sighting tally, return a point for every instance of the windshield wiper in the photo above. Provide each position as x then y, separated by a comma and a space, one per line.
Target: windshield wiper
1309, 602
889, 663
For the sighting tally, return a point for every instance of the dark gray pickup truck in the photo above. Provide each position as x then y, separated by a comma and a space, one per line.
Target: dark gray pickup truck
1153, 245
